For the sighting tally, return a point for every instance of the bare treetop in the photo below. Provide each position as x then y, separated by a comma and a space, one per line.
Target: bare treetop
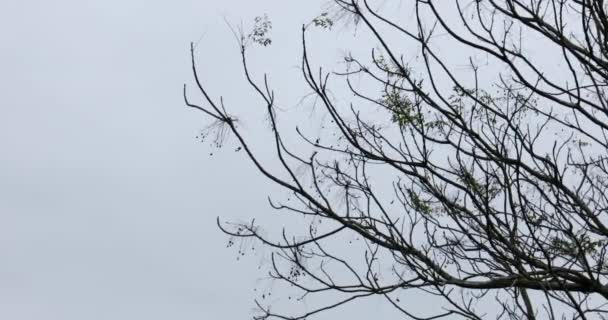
470, 157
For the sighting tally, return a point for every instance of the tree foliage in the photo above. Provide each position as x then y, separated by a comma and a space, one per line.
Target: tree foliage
483, 187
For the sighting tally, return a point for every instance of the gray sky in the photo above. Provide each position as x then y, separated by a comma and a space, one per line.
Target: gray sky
107, 200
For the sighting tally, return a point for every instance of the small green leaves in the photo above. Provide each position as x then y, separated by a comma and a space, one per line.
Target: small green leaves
469, 181
403, 110
261, 29
487, 190
564, 246
418, 204
323, 21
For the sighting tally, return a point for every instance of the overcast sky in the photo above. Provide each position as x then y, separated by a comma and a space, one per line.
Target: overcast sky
107, 200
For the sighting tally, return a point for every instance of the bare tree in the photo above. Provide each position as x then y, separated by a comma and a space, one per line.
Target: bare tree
485, 186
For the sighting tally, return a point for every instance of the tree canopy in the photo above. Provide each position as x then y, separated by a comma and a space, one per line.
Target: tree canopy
467, 155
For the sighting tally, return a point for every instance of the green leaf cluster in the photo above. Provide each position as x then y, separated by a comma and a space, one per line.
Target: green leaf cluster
403, 109
261, 29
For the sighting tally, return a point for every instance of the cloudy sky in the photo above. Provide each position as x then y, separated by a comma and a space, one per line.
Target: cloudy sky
107, 199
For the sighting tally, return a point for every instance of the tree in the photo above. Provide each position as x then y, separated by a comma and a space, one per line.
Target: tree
483, 186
